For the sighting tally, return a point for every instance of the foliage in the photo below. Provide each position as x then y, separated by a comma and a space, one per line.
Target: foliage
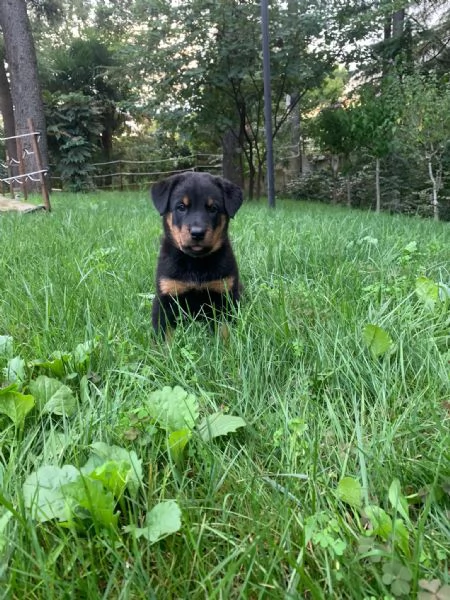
74, 127
86, 495
90, 67
187, 78
215, 62
176, 412
425, 125
377, 340
333, 128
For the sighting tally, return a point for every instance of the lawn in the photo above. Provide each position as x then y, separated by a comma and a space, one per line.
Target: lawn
306, 455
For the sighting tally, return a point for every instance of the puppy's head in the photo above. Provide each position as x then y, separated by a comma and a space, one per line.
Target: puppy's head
196, 208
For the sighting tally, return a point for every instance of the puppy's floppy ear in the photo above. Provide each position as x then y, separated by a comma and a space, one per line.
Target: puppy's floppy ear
232, 195
162, 190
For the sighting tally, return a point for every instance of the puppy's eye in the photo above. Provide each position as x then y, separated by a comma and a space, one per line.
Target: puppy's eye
181, 207
212, 209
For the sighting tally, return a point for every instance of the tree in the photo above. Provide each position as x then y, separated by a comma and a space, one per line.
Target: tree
89, 67
7, 110
334, 130
22, 64
374, 121
203, 67
74, 127
425, 126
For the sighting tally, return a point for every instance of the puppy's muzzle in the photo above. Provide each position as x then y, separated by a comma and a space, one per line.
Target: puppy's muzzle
197, 233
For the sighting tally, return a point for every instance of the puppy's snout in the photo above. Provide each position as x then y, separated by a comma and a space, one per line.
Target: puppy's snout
197, 233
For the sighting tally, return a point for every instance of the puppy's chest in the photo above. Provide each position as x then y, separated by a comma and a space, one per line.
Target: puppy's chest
181, 275
172, 286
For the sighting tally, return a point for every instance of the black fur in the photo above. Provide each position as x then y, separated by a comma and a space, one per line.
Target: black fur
197, 273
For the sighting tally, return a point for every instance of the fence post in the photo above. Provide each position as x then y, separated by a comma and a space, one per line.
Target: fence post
37, 153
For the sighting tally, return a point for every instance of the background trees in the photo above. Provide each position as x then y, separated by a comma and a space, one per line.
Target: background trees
149, 80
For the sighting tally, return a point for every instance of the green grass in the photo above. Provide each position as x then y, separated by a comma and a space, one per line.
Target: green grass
261, 517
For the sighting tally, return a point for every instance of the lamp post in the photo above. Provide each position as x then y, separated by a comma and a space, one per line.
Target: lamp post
267, 102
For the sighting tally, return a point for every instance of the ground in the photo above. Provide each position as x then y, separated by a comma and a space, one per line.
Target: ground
333, 482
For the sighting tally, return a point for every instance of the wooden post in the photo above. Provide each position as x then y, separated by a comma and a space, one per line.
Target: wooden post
42, 176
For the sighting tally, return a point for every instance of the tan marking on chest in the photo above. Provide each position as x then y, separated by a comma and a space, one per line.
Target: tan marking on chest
175, 287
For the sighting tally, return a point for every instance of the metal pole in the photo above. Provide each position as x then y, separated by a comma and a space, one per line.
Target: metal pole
267, 102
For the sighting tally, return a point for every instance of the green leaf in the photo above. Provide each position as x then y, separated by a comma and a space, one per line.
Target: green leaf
102, 453
400, 536
15, 370
15, 405
173, 408
177, 442
219, 424
444, 292
57, 364
163, 520
339, 546
397, 500
53, 397
410, 248
349, 491
87, 499
4, 539
388, 578
427, 291
43, 492
377, 340
82, 354
55, 443
113, 475
84, 390
400, 587
6, 346
381, 522
64, 494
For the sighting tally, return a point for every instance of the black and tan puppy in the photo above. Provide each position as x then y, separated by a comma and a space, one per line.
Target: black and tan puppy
197, 273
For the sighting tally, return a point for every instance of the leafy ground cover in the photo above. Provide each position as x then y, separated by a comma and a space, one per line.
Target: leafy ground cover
306, 455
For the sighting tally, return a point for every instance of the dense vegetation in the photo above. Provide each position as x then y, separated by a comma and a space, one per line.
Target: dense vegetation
360, 94
306, 455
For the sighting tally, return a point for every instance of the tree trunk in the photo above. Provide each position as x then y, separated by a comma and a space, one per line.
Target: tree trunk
25, 90
335, 171
377, 186
398, 23
295, 160
259, 181
7, 110
434, 193
232, 158
251, 173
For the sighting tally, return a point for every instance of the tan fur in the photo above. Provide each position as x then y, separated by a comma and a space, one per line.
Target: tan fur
175, 287
217, 235
181, 236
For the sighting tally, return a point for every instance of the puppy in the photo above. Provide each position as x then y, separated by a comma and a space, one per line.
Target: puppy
197, 273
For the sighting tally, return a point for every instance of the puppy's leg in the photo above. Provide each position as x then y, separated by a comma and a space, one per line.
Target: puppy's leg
163, 315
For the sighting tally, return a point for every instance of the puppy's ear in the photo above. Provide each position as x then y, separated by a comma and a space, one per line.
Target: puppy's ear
232, 195
162, 190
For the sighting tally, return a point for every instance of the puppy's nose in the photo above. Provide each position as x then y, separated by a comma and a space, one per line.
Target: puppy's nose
197, 233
